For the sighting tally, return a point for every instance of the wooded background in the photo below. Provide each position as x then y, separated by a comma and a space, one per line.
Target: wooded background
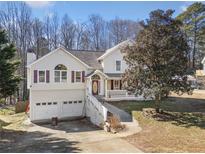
29, 33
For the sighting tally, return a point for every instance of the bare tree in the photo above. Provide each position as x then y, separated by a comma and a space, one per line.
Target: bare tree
97, 31
48, 30
23, 17
121, 30
80, 28
68, 29
37, 28
54, 31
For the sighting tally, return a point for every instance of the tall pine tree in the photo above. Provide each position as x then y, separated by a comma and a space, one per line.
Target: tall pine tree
194, 26
9, 80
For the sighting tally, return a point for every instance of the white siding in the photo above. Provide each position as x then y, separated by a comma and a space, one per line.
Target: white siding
28, 78
31, 57
49, 63
109, 62
56, 92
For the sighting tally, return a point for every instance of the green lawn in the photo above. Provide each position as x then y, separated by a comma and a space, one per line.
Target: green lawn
180, 129
172, 104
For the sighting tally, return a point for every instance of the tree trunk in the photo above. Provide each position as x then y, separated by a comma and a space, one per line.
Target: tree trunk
194, 43
157, 102
194, 52
5, 102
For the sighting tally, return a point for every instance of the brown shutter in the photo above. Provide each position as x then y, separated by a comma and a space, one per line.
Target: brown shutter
111, 84
47, 76
83, 76
120, 84
35, 79
72, 76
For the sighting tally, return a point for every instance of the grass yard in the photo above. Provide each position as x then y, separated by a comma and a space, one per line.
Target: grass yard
11, 127
8, 110
180, 129
10, 120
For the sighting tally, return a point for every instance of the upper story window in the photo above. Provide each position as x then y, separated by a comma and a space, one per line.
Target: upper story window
78, 76
60, 73
42, 76
118, 65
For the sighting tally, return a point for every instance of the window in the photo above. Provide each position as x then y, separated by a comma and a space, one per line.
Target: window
118, 65
49, 103
60, 73
43, 103
63, 76
54, 103
77, 76
64, 102
70, 102
116, 84
75, 102
38, 104
42, 76
79, 101
57, 76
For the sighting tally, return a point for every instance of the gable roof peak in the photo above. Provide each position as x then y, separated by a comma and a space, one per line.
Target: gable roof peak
62, 48
126, 42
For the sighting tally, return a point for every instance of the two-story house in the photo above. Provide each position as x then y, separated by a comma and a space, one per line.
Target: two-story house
60, 82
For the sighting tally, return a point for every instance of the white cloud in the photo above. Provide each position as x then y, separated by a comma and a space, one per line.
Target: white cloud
39, 4
184, 7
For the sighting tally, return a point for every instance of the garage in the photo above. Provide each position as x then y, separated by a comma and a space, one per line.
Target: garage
61, 104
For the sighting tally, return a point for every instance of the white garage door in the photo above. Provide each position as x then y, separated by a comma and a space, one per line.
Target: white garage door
46, 110
72, 108
48, 104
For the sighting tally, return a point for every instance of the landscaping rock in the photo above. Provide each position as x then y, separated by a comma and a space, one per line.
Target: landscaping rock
148, 112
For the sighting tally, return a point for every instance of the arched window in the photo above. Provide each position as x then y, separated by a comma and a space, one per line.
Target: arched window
60, 73
60, 67
95, 77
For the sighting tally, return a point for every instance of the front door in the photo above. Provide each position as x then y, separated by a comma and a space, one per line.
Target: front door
95, 87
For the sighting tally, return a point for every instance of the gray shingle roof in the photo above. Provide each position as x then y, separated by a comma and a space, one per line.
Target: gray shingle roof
114, 74
89, 74
89, 57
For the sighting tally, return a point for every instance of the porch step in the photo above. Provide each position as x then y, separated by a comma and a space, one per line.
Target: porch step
122, 115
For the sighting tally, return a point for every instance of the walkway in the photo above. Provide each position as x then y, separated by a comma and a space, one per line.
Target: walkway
122, 115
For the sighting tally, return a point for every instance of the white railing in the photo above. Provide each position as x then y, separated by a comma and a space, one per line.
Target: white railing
118, 93
95, 110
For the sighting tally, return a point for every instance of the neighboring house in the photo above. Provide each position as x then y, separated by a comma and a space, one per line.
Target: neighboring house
63, 83
203, 63
200, 76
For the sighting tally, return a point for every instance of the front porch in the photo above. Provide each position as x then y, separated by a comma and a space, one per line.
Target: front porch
107, 87
117, 95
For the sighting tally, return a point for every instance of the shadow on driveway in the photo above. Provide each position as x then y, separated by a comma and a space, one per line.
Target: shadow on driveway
72, 126
21, 141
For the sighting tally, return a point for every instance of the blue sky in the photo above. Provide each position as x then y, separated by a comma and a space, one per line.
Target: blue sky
79, 11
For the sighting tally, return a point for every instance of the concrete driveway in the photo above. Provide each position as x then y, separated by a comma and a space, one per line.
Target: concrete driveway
72, 136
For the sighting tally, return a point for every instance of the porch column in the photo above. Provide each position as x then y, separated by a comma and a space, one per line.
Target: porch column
106, 88
102, 84
90, 86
